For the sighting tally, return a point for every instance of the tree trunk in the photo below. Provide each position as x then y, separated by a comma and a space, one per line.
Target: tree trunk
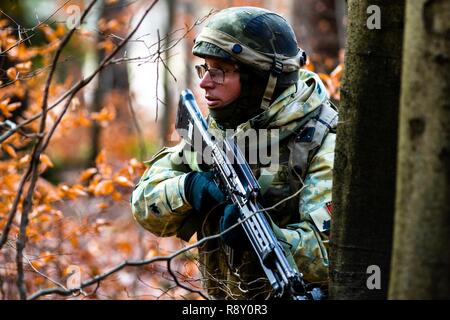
421, 255
114, 77
168, 97
365, 162
317, 32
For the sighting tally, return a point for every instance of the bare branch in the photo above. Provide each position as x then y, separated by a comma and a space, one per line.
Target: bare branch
158, 57
27, 76
43, 141
41, 144
34, 164
16, 44
48, 18
153, 57
175, 278
168, 69
138, 263
84, 82
19, 27
42, 274
76, 87
13, 210
17, 24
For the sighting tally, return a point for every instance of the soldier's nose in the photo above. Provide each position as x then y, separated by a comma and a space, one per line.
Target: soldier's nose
206, 81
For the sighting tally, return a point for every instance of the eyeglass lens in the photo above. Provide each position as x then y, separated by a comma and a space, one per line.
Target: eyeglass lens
217, 75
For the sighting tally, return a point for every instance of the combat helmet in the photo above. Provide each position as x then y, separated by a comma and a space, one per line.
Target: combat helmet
257, 38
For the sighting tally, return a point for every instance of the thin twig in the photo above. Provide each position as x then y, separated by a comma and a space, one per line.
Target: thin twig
76, 86
27, 76
25, 30
168, 69
42, 274
175, 278
12, 212
41, 144
16, 44
48, 18
138, 263
158, 57
154, 56
34, 164
105, 62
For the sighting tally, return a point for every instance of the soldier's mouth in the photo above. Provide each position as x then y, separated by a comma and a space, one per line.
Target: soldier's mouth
212, 102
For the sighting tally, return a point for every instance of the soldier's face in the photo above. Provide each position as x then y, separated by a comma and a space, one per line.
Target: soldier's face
221, 82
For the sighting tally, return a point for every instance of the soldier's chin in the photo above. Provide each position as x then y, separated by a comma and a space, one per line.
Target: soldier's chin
214, 104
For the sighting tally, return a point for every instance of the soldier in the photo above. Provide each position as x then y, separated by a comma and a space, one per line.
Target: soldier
252, 79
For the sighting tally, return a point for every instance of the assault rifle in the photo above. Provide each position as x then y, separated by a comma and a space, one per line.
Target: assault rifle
234, 177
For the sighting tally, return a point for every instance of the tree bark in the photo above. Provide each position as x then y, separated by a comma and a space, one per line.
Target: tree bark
365, 160
421, 255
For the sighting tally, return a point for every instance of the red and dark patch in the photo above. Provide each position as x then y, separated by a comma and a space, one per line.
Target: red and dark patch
329, 206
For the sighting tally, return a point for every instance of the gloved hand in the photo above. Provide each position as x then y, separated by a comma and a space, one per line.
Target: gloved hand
202, 192
236, 237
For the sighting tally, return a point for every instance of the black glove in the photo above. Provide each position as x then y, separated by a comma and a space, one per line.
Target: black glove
236, 237
202, 192
203, 195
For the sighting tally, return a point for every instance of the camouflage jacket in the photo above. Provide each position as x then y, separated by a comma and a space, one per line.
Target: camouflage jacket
160, 206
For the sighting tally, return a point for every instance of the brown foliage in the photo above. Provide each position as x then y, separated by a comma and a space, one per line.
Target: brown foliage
80, 223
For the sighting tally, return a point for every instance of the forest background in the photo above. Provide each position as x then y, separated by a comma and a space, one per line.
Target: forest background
88, 91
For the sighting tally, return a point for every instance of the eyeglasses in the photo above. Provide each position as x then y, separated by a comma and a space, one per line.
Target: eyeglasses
217, 75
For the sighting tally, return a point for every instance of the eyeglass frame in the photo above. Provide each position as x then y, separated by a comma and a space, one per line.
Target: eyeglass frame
202, 69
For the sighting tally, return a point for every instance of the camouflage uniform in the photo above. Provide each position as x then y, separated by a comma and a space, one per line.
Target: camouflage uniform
159, 203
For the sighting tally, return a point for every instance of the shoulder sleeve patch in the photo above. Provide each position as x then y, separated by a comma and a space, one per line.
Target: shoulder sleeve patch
321, 218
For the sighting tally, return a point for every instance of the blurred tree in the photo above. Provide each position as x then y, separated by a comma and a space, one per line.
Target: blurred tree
421, 256
341, 20
113, 79
168, 96
189, 16
316, 26
365, 162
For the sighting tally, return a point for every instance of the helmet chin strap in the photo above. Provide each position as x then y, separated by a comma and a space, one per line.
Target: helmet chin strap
270, 88
275, 71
